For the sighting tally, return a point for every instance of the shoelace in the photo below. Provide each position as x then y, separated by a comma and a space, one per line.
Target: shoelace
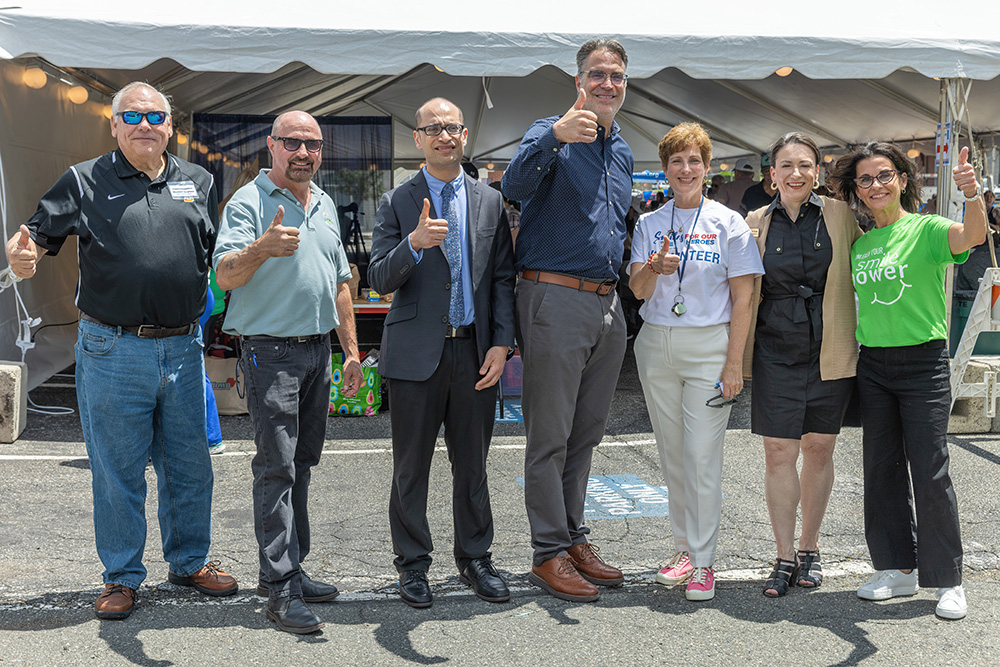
487, 565
213, 567
679, 560
592, 550
565, 566
700, 575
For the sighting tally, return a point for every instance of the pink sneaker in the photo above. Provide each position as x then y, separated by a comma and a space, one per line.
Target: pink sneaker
676, 571
702, 584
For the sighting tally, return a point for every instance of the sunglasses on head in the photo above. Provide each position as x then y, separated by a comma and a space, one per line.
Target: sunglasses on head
135, 117
292, 144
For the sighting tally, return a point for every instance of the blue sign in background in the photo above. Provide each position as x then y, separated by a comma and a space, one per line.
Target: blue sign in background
620, 497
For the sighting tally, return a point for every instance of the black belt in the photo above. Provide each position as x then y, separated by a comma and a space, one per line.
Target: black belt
147, 330
458, 332
293, 339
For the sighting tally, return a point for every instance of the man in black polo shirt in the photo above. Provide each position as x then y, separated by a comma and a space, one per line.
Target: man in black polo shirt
146, 223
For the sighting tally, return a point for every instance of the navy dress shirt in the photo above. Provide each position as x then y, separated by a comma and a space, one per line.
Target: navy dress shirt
574, 198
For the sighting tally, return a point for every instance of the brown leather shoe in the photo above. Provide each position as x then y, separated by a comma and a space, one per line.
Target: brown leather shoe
115, 602
592, 568
210, 580
559, 577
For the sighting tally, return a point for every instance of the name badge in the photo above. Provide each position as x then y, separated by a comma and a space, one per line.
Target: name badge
182, 190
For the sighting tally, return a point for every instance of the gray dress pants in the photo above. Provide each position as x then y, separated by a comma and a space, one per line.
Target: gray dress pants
572, 344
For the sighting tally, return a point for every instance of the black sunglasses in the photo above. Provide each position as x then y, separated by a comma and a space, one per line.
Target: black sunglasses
292, 144
135, 117
719, 401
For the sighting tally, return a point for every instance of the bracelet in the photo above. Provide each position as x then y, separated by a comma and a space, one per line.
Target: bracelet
649, 263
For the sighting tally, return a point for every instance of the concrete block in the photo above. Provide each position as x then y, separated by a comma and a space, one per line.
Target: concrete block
13, 399
969, 414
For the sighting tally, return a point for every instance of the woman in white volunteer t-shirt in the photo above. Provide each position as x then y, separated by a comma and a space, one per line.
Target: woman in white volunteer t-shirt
693, 262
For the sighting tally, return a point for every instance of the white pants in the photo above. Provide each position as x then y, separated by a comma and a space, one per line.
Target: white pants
678, 368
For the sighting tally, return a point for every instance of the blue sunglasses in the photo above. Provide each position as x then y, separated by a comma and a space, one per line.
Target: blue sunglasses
135, 117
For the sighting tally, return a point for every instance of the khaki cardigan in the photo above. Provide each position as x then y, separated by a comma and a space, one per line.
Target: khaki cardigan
838, 352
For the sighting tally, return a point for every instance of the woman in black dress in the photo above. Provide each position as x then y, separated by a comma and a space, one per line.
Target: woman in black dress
802, 352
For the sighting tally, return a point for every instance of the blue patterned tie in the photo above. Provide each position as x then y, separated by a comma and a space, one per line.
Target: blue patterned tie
453, 251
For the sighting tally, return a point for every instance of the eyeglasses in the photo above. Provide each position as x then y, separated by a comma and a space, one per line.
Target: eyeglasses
135, 117
719, 401
454, 129
292, 144
884, 177
597, 77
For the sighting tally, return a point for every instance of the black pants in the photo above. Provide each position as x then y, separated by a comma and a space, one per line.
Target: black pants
418, 410
905, 401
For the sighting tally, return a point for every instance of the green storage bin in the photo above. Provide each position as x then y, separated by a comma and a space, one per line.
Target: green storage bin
988, 342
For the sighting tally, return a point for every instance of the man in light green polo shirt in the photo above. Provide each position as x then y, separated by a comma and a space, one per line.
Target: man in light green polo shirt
279, 251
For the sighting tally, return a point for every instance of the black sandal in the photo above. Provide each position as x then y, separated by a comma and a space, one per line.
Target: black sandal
781, 576
810, 570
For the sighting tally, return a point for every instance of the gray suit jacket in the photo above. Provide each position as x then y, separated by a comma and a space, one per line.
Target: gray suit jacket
413, 337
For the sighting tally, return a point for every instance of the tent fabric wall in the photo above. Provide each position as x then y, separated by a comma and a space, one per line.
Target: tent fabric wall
42, 133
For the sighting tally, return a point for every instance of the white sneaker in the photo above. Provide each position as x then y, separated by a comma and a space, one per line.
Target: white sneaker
886, 584
951, 603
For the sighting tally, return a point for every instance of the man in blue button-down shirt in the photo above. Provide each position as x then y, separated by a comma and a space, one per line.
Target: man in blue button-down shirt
573, 176
442, 244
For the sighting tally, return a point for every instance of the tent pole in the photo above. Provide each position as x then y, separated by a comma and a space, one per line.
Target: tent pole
945, 159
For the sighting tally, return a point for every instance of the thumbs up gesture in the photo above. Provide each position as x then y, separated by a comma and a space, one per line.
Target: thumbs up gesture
430, 231
663, 261
964, 174
577, 125
22, 253
278, 240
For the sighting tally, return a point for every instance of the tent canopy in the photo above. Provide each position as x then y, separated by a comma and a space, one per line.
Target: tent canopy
853, 78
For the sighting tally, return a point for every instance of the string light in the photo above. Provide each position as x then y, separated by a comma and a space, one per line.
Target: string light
78, 94
783, 71
34, 77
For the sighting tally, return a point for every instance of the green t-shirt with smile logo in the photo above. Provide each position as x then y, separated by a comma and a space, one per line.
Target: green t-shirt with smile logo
898, 273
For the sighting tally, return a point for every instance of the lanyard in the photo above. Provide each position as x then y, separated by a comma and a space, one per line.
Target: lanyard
679, 308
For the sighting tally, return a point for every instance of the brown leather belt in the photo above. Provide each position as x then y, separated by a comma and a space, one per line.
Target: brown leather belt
582, 284
147, 330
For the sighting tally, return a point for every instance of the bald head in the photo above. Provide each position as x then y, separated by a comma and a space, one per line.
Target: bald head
293, 168
436, 104
293, 119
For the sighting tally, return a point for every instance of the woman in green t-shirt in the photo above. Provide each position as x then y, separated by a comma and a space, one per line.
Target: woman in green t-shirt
903, 370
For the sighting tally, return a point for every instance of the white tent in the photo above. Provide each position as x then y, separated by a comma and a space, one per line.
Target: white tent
859, 71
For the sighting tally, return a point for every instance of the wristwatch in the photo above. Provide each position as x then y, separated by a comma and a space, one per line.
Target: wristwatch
979, 193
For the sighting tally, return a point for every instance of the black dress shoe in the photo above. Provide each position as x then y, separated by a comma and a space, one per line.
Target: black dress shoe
414, 589
485, 580
312, 591
292, 615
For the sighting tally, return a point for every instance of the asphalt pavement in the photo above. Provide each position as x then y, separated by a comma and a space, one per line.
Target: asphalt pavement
50, 574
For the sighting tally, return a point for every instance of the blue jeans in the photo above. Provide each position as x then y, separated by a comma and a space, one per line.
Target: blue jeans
288, 397
140, 398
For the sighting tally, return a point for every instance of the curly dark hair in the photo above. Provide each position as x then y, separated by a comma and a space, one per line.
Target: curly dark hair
841, 178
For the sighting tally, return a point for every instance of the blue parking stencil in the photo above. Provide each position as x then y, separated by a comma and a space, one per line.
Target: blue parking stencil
511, 411
620, 497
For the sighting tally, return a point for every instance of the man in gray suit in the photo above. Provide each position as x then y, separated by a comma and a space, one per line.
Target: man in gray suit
442, 244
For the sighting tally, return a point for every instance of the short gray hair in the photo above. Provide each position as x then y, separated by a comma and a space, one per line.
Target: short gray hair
116, 100
604, 44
